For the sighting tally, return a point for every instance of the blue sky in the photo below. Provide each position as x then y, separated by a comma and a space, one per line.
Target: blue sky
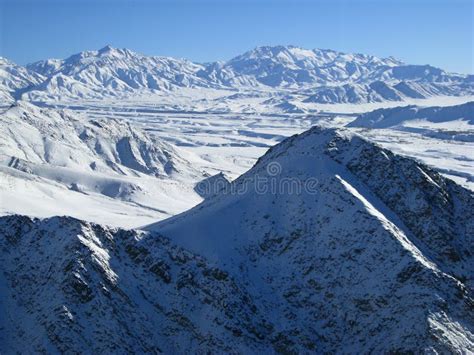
418, 31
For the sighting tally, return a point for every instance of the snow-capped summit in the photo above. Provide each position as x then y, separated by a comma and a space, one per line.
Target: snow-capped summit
290, 65
109, 50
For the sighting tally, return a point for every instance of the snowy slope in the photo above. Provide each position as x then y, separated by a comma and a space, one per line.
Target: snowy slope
380, 91
374, 248
14, 79
442, 137
391, 117
55, 162
68, 286
60, 138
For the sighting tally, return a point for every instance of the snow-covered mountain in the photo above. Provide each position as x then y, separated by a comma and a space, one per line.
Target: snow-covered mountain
322, 76
373, 249
328, 244
282, 66
71, 286
350, 258
412, 197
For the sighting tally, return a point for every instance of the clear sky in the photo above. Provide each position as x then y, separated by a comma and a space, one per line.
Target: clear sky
437, 32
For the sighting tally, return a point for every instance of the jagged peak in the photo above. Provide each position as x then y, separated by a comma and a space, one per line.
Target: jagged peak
108, 50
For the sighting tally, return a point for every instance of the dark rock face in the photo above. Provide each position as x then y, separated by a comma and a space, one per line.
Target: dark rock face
438, 212
91, 288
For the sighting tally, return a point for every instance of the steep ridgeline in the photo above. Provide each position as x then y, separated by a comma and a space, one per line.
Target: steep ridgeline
114, 72
321, 76
287, 66
376, 258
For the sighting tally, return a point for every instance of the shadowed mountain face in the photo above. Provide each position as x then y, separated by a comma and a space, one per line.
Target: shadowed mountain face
328, 244
326, 75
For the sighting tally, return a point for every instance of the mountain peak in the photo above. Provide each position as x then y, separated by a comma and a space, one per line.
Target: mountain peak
106, 48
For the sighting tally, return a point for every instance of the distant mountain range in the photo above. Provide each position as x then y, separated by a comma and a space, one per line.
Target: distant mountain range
321, 76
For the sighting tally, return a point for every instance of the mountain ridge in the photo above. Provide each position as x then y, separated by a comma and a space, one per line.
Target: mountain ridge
370, 205
384, 175
112, 72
